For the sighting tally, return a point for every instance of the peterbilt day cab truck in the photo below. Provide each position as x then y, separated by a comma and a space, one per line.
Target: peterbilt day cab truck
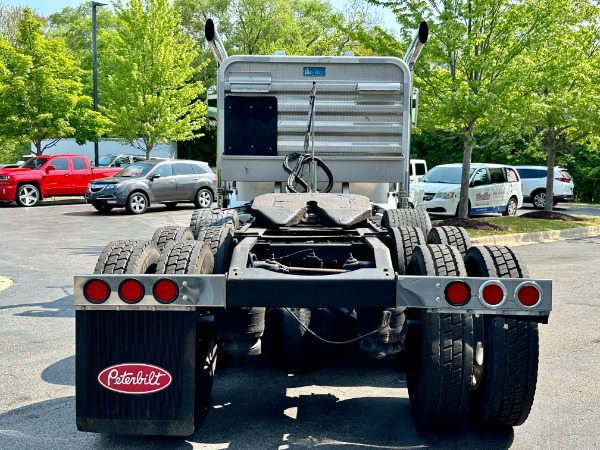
307, 267
49, 176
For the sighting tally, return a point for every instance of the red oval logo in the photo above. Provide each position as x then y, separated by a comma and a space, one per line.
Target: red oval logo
135, 378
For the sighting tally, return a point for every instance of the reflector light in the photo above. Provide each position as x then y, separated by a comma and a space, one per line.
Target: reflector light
528, 295
165, 291
96, 291
458, 293
131, 291
492, 294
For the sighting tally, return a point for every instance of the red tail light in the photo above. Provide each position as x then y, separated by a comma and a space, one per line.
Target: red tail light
96, 291
564, 180
458, 293
492, 294
528, 295
131, 291
165, 291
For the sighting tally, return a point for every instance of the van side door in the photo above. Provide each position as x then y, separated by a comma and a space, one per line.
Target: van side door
480, 192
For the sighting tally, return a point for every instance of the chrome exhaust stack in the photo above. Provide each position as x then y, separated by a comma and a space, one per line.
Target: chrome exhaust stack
214, 41
416, 45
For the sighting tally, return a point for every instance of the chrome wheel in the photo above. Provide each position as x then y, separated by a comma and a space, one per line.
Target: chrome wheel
137, 203
28, 195
511, 208
539, 199
204, 198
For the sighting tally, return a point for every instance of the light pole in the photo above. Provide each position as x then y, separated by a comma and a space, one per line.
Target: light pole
95, 72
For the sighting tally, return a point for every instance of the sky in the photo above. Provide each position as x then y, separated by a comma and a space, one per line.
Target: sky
46, 7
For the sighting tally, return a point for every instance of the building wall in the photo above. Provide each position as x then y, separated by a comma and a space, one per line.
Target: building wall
106, 148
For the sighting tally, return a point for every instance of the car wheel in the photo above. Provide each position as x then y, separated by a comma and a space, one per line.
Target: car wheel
539, 199
204, 198
27, 195
103, 208
511, 208
137, 203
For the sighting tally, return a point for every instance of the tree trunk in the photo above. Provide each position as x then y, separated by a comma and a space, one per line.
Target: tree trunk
463, 203
38, 147
548, 204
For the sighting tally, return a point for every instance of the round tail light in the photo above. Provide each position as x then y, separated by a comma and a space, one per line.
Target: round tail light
492, 294
96, 291
131, 291
458, 293
166, 291
528, 295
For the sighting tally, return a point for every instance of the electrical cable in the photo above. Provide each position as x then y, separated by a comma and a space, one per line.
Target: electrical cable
297, 172
356, 339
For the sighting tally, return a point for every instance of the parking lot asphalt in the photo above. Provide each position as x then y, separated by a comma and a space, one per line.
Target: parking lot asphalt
351, 405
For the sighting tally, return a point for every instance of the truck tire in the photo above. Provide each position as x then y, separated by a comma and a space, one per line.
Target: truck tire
204, 198
128, 256
204, 218
403, 242
505, 392
449, 235
511, 207
171, 233
28, 195
406, 218
137, 203
239, 329
192, 257
440, 348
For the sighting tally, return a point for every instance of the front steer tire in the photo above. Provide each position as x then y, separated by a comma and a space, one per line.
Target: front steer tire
440, 348
505, 393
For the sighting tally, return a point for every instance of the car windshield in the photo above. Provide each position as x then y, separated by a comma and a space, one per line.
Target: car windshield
105, 160
446, 175
35, 163
136, 170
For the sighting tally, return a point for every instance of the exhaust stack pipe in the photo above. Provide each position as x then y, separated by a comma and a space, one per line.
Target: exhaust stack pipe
416, 45
214, 41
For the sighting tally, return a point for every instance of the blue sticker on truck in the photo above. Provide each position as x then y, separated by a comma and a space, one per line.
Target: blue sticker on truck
313, 71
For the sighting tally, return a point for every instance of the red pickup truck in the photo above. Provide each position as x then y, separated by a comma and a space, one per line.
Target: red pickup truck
49, 176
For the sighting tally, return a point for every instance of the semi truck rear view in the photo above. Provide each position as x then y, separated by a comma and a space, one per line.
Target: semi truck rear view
307, 256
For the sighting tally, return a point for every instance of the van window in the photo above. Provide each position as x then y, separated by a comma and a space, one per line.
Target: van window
511, 175
482, 177
497, 175
419, 169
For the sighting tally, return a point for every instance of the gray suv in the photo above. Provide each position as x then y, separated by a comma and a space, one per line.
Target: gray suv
151, 181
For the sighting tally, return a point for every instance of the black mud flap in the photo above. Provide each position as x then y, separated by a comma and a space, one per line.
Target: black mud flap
135, 372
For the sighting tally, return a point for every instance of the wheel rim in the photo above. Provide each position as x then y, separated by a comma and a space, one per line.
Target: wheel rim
28, 196
204, 198
539, 200
512, 208
138, 203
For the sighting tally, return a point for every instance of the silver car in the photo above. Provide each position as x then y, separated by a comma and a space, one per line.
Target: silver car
144, 183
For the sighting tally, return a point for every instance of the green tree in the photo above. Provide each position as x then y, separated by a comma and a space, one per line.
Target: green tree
562, 84
148, 90
468, 75
41, 92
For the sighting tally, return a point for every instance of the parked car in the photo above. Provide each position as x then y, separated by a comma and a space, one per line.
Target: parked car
119, 160
144, 183
533, 180
493, 188
49, 176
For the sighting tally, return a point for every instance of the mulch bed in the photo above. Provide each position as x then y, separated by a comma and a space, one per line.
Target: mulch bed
482, 224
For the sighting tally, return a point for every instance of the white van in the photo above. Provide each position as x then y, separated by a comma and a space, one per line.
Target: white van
494, 188
417, 168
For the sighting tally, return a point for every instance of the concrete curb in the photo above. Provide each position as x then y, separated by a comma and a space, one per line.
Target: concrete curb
537, 236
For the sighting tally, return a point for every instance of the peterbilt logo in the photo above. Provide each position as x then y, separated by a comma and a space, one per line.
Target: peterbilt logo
135, 378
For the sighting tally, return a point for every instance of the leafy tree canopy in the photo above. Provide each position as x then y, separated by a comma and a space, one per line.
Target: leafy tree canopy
40, 90
149, 92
